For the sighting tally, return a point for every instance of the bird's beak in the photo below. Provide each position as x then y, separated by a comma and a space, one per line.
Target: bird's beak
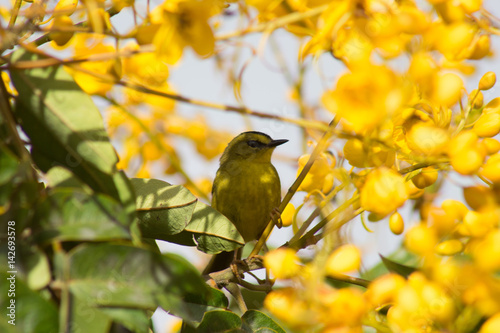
276, 143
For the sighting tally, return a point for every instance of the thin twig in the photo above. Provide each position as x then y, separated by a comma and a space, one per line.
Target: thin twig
274, 24
320, 147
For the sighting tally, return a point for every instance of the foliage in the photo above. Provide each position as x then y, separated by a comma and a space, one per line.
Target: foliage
402, 124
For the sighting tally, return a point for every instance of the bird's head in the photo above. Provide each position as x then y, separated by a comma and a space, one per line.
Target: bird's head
252, 146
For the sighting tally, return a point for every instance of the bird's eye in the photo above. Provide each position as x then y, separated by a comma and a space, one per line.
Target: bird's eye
253, 143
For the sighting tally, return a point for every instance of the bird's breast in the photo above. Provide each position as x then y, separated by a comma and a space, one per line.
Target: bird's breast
248, 197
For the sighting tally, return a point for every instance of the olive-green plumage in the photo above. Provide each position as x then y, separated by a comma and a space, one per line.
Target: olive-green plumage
246, 187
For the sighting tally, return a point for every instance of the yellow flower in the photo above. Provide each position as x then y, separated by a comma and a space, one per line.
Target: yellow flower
491, 169
427, 139
320, 176
287, 215
492, 106
446, 89
422, 66
269, 10
421, 239
491, 146
177, 24
145, 68
492, 325
282, 262
364, 155
86, 45
420, 305
288, 307
470, 6
454, 40
479, 196
150, 151
449, 247
487, 252
467, 162
454, 209
426, 177
61, 38
365, 97
329, 22
383, 192
479, 223
384, 289
476, 98
488, 125
481, 48
342, 309
346, 258
159, 103
65, 8
466, 155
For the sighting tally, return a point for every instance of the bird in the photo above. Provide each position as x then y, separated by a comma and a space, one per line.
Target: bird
246, 189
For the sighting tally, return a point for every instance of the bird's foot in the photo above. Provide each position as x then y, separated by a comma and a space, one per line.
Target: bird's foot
276, 217
234, 268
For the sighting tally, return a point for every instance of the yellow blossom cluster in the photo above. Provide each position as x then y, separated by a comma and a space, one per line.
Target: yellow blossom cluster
311, 304
176, 24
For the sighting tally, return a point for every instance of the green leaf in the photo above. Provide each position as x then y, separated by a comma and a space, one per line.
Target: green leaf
256, 321
162, 209
36, 267
213, 232
121, 276
33, 313
173, 214
219, 321
253, 299
78, 313
61, 177
73, 215
397, 268
197, 305
401, 256
132, 319
65, 127
9, 163
182, 238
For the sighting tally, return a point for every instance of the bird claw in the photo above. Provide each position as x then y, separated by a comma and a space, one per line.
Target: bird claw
276, 217
234, 268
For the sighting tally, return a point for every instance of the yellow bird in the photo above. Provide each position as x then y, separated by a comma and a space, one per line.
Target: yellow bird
246, 189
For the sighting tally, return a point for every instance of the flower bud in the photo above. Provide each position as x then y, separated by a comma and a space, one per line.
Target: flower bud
492, 325
287, 215
491, 169
449, 247
426, 177
487, 81
345, 259
421, 239
383, 192
283, 263
396, 223
491, 146
488, 125
62, 22
476, 98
